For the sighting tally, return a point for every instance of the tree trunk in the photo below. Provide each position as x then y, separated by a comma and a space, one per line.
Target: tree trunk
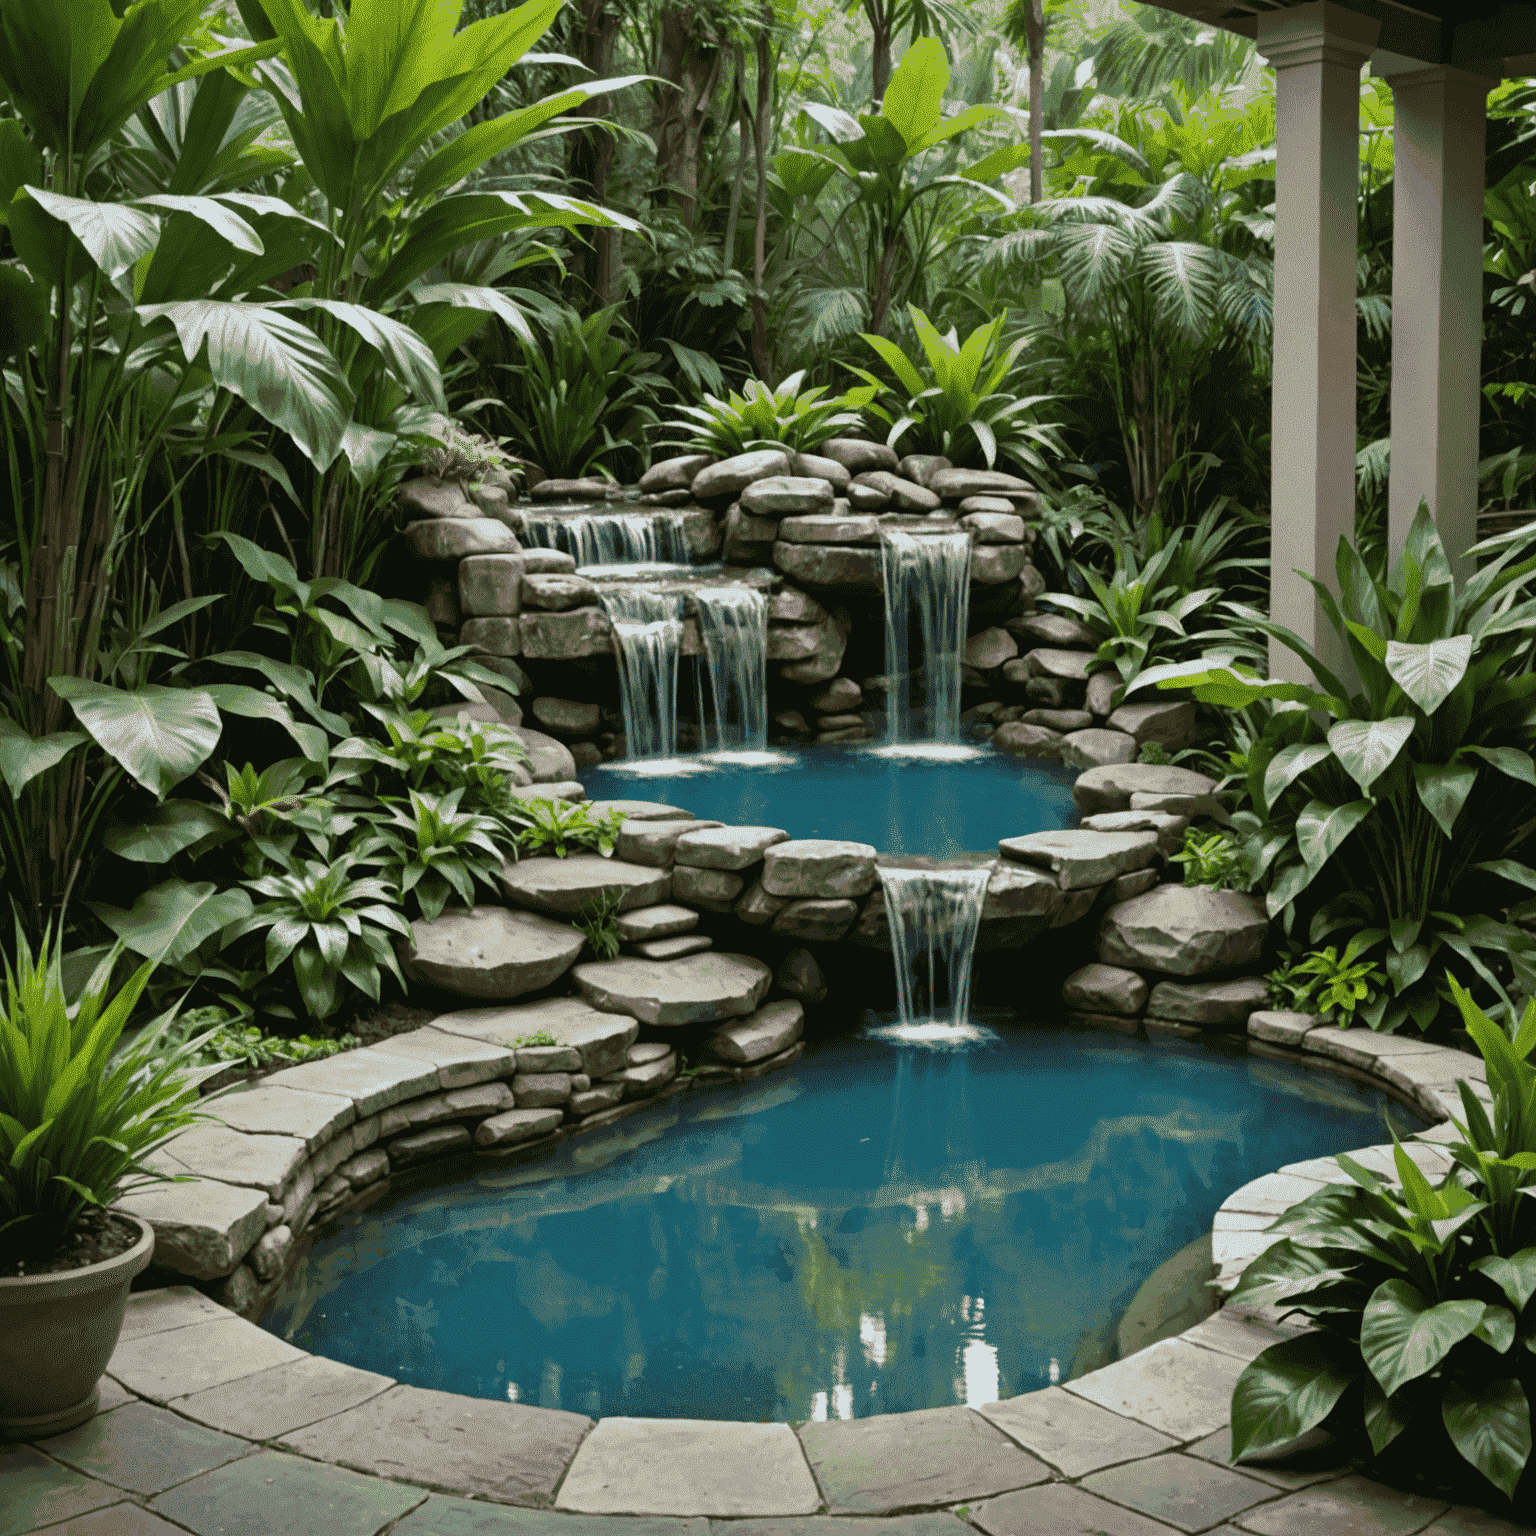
733, 213
1035, 31
762, 356
688, 58
880, 30
589, 154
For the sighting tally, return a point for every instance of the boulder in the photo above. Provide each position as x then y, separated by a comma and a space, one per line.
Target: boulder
674, 474
1210, 1004
549, 761
1110, 788
829, 565
451, 538
1171, 725
1094, 748
853, 732
993, 564
830, 530
842, 693
1123, 887
712, 889
990, 649
548, 562
815, 921
920, 468
601, 1039
495, 635
815, 670
759, 1035
655, 922
560, 887
792, 723
589, 488
1073, 666
431, 497
654, 843
494, 501
957, 484
801, 976
1184, 930
747, 540
1058, 629
904, 495
567, 717
757, 907
727, 847
792, 606
857, 455
1105, 989
1063, 720
1000, 527
1102, 688
816, 467
1080, 859
820, 867
868, 498
565, 636
1169, 829
800, 642
730, 477
781, 495
1017, 890
490, 952
998, 504
491, 584
555, 594
1027, 740
698, 989
442, 601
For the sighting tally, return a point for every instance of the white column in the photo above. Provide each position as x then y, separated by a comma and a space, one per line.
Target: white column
1439, 119
1317, 51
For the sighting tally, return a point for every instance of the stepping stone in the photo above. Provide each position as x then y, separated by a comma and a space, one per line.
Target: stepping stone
1080, 859
1169, 829
1210, 1004
689, 1467
656, 922
654, 843
1074, 1436
639, 810
287, 1397
821, 867
1110, 788
729, 848
315, 1118
698, 989
1105, 989
601, 1038
759, 1035
490, 952
202, 1228
1172, 1386
674, 948
1190, 1493
560, 887
1184, 930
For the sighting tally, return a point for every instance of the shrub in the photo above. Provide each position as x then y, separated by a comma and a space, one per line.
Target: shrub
1215, 859
761, 417
1329, 984
557, 827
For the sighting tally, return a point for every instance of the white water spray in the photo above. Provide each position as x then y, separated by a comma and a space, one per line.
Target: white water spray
933, 916
612, 538
929, 573
733, 671
648, 635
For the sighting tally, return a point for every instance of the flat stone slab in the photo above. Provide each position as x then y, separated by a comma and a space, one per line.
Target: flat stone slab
1110, 788
202, 1228
830, 529
639, 810
1061, 1510
829, 565
1105, 989
602, 1038
460, 1063
1188, 1493
1080, 859
698, 989
371, 1078
142, 1448
689, 1467
1210, 1004
1171, 1386
517, 1125
490, 952
173, 1306
40, 1492
1075, 1436
162, 1366
729, 848
1184, 930
675, 948
906, 1460
1096, 747
1355, 1506
560, 887
284, 1398
654, 843
1169, 828
759, 1035
508, 1453
819, 866
656, 922
313, 1117
214, 1151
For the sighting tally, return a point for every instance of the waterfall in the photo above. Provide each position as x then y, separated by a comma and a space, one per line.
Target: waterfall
648, 636
930, 573
612, 538
733, 704
933, 916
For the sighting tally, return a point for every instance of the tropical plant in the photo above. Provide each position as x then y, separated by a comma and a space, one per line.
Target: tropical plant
1214, 859
952, 401
1334, 986
787, 417
599, 925
430, 849
579, 399
557, 827
229, 1042
1419, 1295
1400, 810
79, 1123
426, 751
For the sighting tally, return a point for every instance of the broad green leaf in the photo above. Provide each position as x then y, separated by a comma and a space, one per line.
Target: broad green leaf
23, 757
1385, 1417
272, 363
113, 234
1515, 1276
914, 99
1497, 1329
223, 221
1321, 829
1491, 1427
159, 735
961, 122
1510, 761
487, 301
1367, 748
171, 919
1403, 1337
23, 310
169, 829
408, 357
1289, 1389
1444, 787
1428, 674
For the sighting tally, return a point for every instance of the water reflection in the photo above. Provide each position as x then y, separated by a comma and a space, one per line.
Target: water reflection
889, 1227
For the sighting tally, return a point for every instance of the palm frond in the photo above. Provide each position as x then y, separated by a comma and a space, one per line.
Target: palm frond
1185, 279
1093, 257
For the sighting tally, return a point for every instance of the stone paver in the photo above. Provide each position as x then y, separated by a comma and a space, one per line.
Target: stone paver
931, 1524
689, 1466
1353, 1506
1297, 1471
284, 1398
698, 989
727, 847
1058, 1509
907, 1460
372, 1078
1281, 1027
1173, 1386
559, 887
506, 1452
186, 1360
313, 1117
1081, 859
274, 1495
1184, 1491
214, 1151
39, 1492
460, 1062
119, 1520
1075, 1436
174, 1306
201, 1227
142, 1448
445, 1516
602, 1038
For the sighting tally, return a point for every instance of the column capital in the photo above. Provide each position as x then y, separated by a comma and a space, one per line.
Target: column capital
1439, 74
1318, 33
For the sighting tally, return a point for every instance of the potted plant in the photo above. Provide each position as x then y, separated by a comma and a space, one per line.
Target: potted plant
78, 1120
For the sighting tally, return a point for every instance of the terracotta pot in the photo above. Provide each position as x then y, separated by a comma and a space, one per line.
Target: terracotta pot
57, 1333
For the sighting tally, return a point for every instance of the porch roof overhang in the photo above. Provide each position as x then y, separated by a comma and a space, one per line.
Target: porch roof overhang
1494, 38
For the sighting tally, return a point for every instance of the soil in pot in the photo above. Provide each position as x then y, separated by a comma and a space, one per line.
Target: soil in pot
98, 1236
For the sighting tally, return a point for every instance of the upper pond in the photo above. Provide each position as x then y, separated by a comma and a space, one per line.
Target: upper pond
935, 806
884, 1227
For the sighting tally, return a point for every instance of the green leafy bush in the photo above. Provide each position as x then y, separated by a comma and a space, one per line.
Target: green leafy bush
1336, 987
761, 417
1419, 1294
1401, 811
430, 849
1215, 859
231, 1043
598, 923
557, 827
78, 1124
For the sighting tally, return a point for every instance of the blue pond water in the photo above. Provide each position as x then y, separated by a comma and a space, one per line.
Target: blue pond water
914, 805
884, 1227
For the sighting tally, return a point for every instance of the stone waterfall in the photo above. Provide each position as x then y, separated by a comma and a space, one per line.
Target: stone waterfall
933, 916
612, 538
648, 637
927, 580
733, 670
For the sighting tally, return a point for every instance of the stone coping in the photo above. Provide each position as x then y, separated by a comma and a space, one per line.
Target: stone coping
210, 1424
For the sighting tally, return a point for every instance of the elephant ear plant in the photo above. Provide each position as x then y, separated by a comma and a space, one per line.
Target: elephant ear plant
1401, 810
1424, 1341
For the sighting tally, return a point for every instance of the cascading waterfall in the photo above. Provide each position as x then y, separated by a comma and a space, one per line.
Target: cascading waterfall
648, 634
733, 674
930, 573
933, 916
612, 538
